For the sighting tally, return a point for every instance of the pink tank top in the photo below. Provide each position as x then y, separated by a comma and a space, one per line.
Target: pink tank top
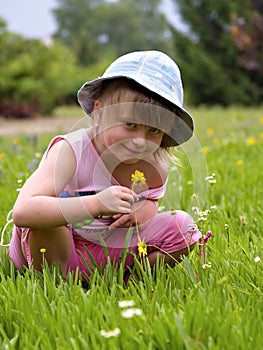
92, 176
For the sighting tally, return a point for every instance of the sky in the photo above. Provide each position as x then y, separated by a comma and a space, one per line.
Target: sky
31, 18
34, 19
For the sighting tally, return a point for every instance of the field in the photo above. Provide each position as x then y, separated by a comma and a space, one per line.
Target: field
213, 301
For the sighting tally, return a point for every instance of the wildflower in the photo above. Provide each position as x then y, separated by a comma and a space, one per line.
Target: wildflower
210, 131
261, 119
142, 247
211, 178
207, 236
202, 245
129, 313
203, 215
196, 210
138, 178
205, 149
216, 141
261, 135
43, 251
109, 334
257, 259
125, 303
2, 155
240, 162
251, 141
16, 141
207, 265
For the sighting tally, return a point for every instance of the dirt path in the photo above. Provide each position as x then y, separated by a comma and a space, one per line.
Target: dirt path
37, 126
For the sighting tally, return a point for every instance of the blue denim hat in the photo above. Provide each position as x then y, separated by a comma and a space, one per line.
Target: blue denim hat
156, 72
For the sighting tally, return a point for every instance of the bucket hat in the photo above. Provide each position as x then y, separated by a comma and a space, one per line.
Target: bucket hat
156, 72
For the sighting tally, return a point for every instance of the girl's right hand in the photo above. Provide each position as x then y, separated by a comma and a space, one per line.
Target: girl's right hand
117, 199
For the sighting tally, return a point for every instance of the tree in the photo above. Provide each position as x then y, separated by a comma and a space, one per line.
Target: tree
34, 76
247, 35
95, 28
207, 57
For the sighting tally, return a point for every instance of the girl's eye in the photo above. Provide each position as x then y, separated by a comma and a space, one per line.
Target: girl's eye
130, 124
155, 130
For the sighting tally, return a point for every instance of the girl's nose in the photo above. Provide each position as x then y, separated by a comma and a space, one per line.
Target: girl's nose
139, 139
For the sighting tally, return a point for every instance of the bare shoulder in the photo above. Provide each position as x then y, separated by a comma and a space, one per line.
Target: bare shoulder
60, 153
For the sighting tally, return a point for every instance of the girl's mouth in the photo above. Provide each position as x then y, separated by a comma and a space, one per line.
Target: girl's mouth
133, 152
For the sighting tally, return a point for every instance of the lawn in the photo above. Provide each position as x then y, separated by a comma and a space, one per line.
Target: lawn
213, 301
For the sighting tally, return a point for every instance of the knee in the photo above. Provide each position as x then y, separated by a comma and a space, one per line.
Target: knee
183, 221
56, 242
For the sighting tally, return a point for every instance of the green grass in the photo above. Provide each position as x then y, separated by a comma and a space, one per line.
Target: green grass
186, 307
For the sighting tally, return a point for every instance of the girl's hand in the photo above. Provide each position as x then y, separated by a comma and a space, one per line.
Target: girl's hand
116, 199
142, 213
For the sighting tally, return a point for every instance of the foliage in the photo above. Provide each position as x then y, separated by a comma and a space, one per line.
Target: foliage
247, 33
191, 306
207, 56
95, 28
34, 76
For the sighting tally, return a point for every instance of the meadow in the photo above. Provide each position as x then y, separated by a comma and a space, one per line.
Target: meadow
212, 300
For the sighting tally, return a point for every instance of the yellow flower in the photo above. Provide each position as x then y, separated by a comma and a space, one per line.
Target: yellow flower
138, 178
16, 141
216, 141
142, 247
2, 155
240, 162
43, 250
261, 119
261, 135
210, 131
205, 149
251, 141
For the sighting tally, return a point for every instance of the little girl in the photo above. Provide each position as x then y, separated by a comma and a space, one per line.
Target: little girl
93, 184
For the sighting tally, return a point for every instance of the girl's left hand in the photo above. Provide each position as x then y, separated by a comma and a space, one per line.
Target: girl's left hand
142, 214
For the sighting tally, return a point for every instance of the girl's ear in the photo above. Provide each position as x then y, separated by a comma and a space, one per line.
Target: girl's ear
97, 112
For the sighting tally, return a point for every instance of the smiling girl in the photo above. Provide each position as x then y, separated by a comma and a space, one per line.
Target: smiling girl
82, 190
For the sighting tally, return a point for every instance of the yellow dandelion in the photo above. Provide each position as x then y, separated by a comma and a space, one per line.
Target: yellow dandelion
16, 141
216, 141
2, 155
142, 247
43, 251
261, 119
261, 135
251, 140
240, 162
205, 149
138, 178
210, 131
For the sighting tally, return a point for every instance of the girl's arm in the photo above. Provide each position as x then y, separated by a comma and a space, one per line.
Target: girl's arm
38, 206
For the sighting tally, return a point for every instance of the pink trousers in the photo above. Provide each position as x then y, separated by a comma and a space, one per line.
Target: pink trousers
165, 232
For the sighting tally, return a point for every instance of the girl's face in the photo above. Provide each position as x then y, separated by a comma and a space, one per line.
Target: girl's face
126, 138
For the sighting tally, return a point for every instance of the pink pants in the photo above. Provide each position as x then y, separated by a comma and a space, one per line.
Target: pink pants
166, 232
